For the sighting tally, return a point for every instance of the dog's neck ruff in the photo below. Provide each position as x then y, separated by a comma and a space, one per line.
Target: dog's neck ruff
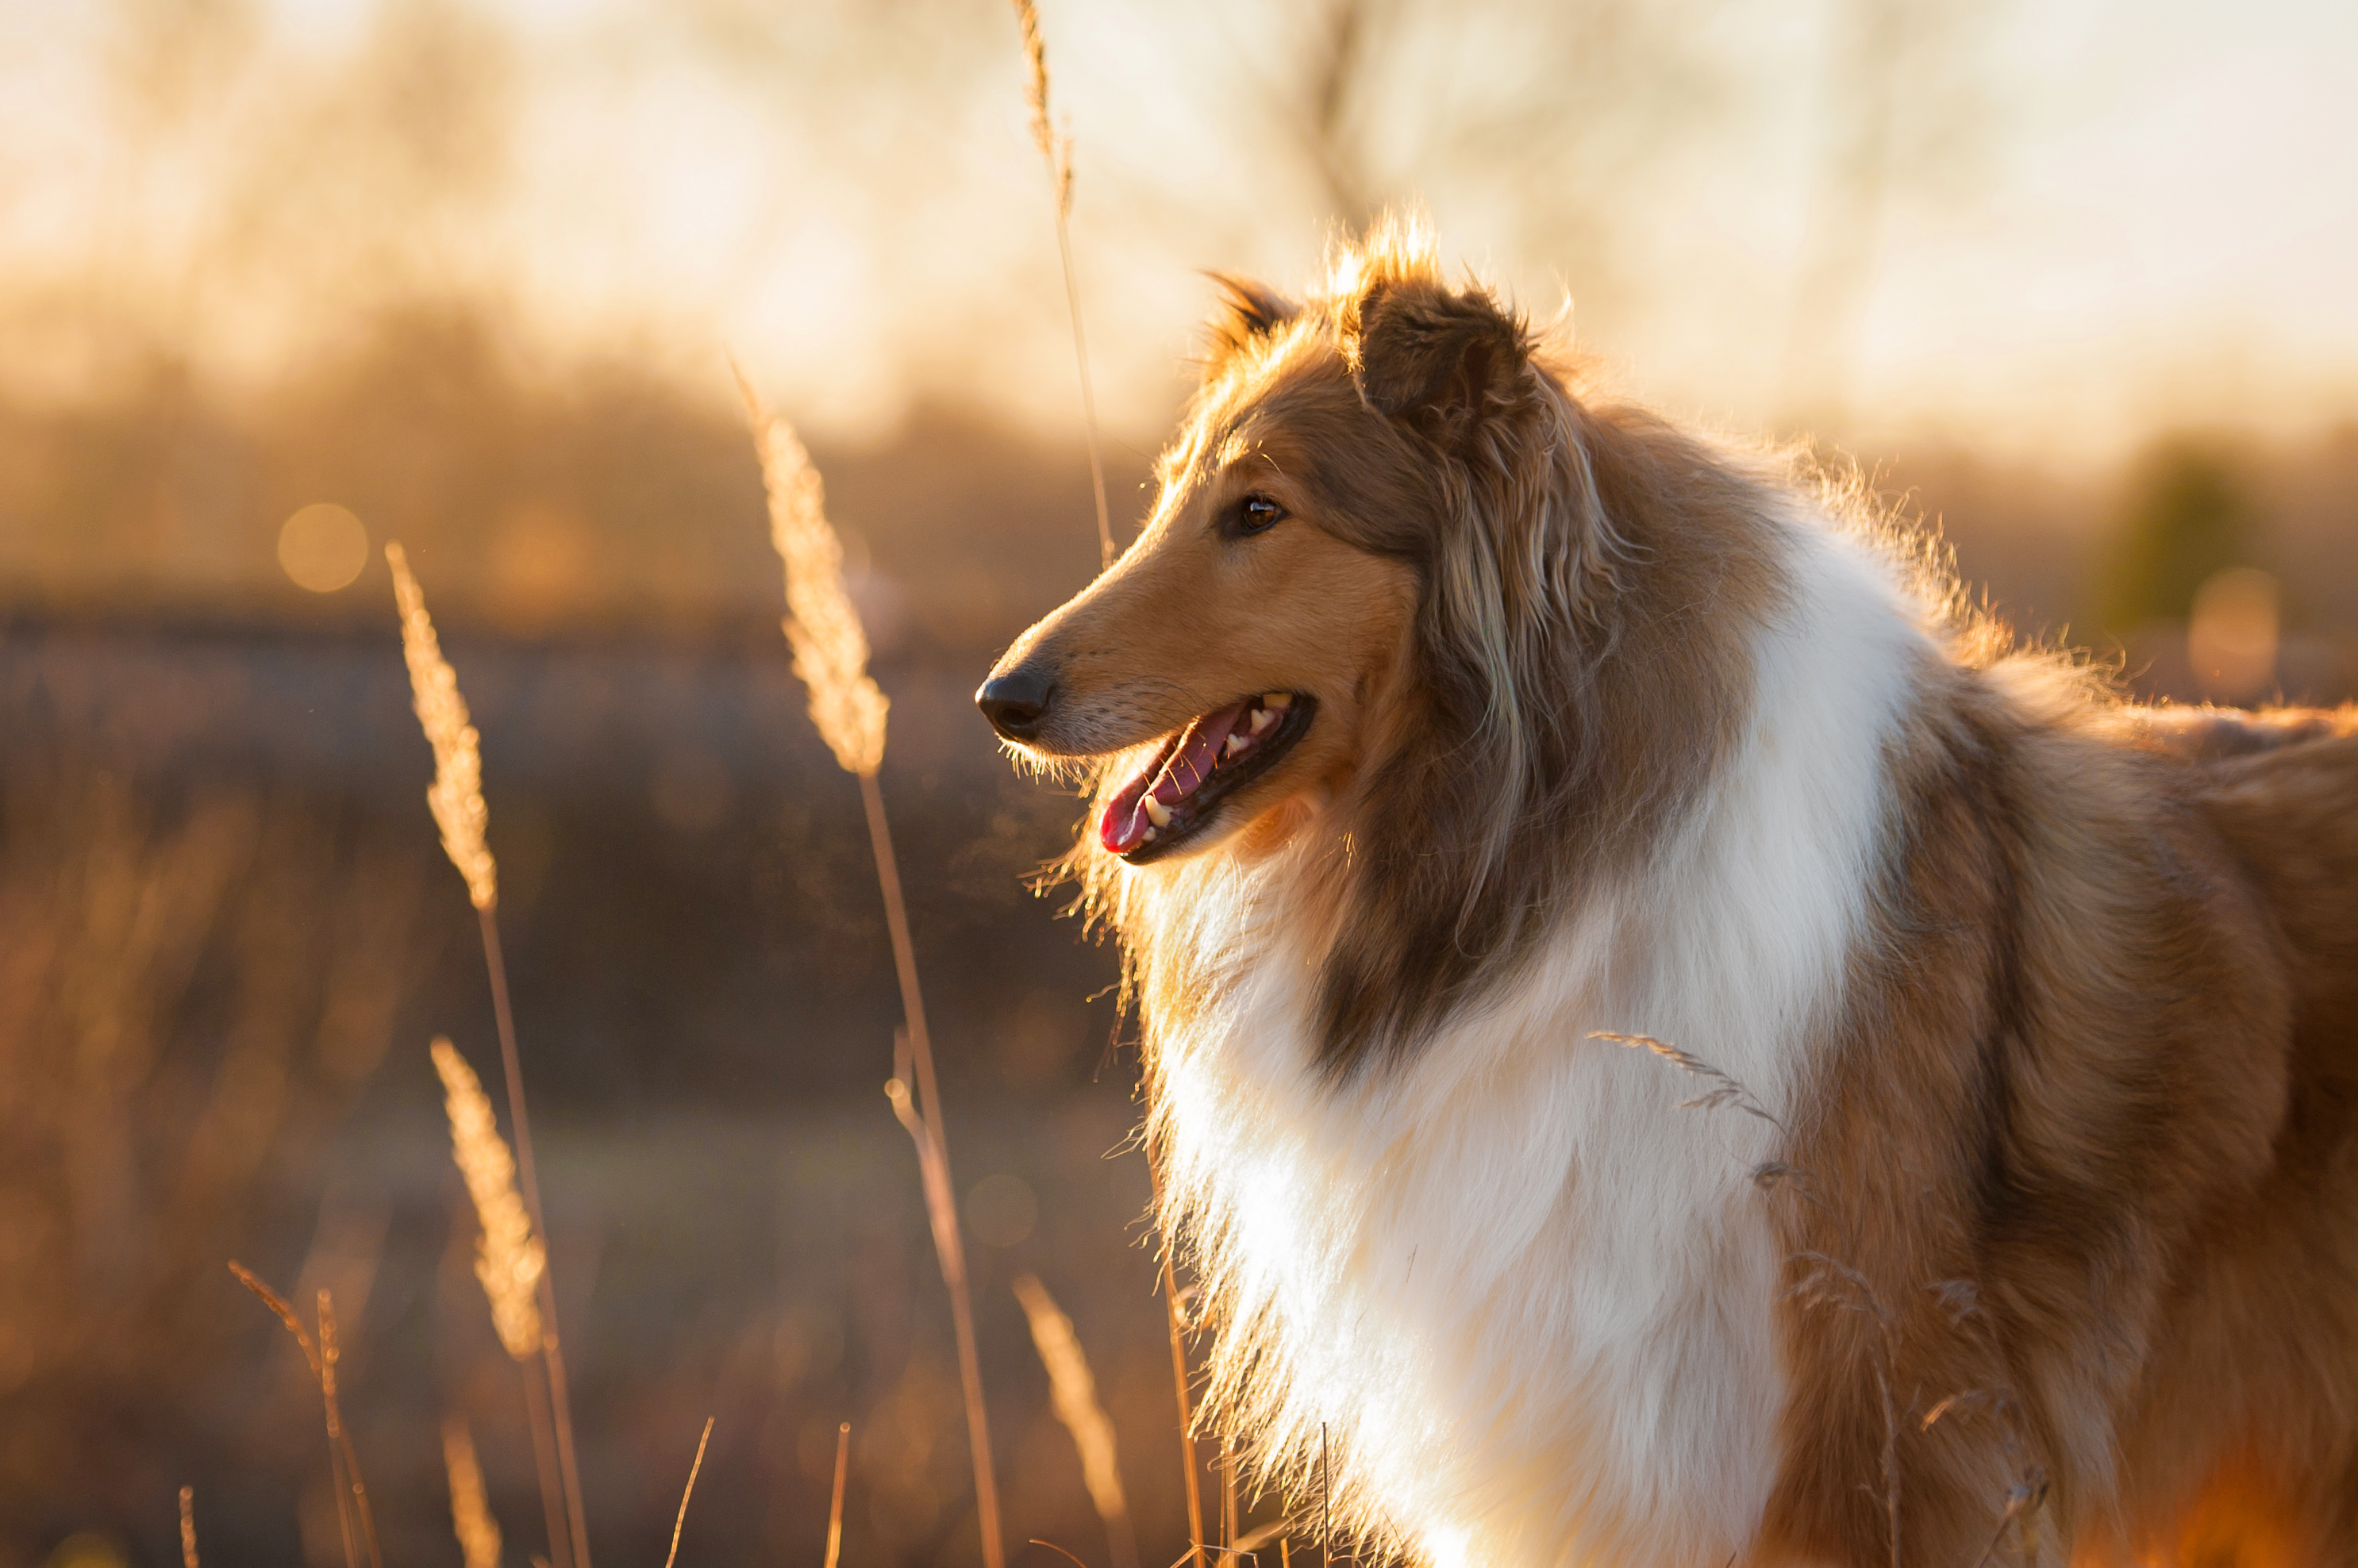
1528, 1299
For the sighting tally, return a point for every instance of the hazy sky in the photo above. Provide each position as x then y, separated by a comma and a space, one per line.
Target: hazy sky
2045, 224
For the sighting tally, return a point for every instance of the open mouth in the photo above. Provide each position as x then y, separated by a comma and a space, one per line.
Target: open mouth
1181, 790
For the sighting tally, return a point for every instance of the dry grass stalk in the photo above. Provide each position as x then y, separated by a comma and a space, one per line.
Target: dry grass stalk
835, 1504
1178, 1325
1057, 150
509, 1258
470, 1511
570, 1544
1726, 1091
1326, 1503
1228, 1491
1074, 1394
1058, 153
1961, 1299
330, 1354
353, 1517
1250, 1543
949, 1250
456, 802
189, 1528
1828, 1282
829, 643
543, 1424
687, 1492
456, 796
510, 1261
831, 658
921, 1115
2023, 1501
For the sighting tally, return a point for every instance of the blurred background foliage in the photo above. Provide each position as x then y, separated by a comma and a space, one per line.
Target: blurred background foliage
2183, 519
281, 281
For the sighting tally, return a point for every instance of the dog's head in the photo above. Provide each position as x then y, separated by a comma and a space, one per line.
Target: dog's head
1319, 543
1398, 571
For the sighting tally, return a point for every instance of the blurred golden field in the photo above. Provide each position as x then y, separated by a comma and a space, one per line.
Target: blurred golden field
282, 282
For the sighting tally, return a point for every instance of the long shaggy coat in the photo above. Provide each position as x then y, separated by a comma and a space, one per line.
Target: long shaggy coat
1691, 1048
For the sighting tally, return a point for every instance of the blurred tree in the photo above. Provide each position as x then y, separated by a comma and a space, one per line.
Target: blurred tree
1552, 111
1338, 70
1903, 107
2186, 517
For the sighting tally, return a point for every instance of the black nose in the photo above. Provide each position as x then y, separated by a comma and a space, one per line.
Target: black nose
1017, 702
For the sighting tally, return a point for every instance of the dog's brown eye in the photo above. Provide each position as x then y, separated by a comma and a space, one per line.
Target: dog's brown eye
1253, 514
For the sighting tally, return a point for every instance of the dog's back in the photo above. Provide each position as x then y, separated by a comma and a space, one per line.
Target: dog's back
2282, 787
2276, 1286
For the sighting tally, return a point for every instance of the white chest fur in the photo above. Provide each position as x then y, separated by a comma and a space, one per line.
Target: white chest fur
1529, 1298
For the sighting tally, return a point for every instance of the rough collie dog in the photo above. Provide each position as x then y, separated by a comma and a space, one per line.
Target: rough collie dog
1990, 1187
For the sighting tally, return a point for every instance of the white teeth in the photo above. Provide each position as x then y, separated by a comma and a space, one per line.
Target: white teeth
1262, 719
1157, 813
1235, 743
1281, 700
1148, 836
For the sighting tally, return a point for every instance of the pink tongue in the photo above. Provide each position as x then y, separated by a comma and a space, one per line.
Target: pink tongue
1191, 765
1125, 825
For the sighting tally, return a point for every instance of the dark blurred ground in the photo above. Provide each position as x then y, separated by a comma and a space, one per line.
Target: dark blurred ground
230, 932
227, 933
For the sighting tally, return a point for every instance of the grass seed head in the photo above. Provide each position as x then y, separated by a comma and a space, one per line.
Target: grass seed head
830, 646
1074, 1394
457, 795
470, 1511
509, 1258
1057, 150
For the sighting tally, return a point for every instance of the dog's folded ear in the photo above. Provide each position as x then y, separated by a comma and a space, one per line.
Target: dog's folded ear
1249, 313
1441, 360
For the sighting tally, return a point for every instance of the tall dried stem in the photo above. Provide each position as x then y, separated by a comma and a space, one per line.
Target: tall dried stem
330, 1353
354, 1520
1178, 1325
835, 1503
456, 800
1227, 1491
1828, 1282
941, 1214
1074, 1394
687, 1492
543, 1422
510, 1261
830, 655
552, 1351
1057, 151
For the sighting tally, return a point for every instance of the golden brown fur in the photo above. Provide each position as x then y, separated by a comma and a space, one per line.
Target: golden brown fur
2065, 1182
2059, 1138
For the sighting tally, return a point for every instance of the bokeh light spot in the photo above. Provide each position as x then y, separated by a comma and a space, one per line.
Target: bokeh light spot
86, 1551
323, 546
2231, 642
